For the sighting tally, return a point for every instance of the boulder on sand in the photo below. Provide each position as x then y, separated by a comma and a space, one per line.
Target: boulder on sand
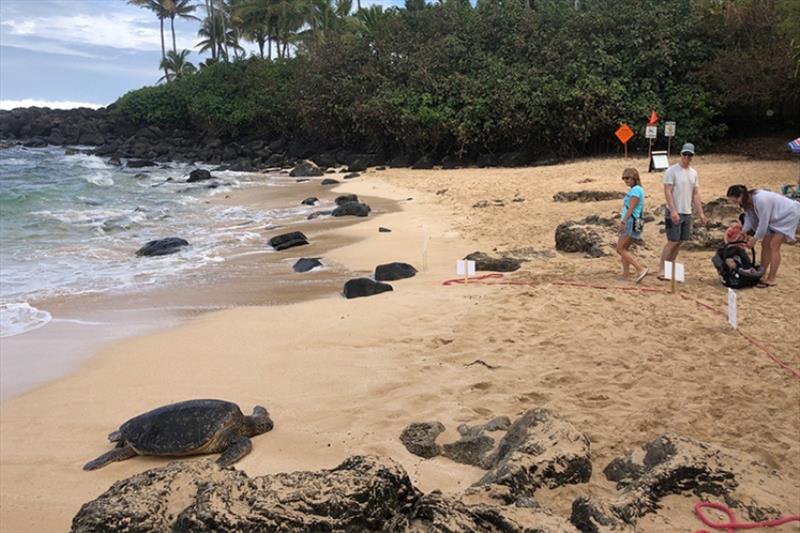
360, 287
304, 264
355, 209
394, 271
288, 240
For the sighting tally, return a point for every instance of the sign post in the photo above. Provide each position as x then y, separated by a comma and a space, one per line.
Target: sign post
465, 268
650, 133
624, 134
674, 272
732, 307
669, 133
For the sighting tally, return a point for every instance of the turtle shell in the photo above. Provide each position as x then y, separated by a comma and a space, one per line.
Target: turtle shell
181, 428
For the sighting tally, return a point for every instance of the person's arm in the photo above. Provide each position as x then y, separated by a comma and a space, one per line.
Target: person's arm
629, 213
673, 211
698, 205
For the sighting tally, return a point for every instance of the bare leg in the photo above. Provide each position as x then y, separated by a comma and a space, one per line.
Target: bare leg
622, 244
627, 257
117, 454
773, 243
669, 253
237, 448
766, 255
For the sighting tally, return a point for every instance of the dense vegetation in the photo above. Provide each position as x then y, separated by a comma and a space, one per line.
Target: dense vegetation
538, 76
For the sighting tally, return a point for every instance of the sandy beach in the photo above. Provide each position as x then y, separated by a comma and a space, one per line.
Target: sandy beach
344, 377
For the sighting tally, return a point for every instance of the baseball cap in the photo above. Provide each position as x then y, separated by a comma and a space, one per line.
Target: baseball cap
688, 148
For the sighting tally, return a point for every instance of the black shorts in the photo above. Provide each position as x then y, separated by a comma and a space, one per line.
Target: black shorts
682, 231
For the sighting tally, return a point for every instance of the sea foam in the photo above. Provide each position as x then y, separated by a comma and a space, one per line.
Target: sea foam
21, 317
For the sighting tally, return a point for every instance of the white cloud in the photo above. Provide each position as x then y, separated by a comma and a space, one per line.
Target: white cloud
48, 47
54, 104
118, 30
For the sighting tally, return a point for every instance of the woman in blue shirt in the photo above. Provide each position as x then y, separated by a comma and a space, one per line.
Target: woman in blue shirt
631, 221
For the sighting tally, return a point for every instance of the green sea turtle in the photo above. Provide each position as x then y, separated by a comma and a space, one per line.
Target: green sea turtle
192, 427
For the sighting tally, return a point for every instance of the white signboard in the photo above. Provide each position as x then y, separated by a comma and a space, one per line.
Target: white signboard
669, 129
464, 267
668, 265
651, 132
732, 307
659, 161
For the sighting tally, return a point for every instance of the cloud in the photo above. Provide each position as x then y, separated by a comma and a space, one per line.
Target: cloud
54, 104
122, 30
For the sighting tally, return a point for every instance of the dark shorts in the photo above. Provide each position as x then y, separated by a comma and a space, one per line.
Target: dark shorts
682, 231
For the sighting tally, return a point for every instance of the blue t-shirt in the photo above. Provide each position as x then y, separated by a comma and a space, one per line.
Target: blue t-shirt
637, 191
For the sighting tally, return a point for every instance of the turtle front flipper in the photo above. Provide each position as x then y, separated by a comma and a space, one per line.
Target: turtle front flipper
237, 448
117, 454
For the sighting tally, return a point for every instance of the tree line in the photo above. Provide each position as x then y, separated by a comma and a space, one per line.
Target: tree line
497, 76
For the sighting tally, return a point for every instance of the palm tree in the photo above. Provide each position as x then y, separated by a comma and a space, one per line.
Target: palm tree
157, 7
175, 66
178, 8
217, 38
255, 20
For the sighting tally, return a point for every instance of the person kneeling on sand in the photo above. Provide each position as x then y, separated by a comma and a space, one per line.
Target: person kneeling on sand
631, 223
774, 219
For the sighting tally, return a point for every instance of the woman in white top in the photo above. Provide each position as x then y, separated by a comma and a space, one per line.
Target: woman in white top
773, 220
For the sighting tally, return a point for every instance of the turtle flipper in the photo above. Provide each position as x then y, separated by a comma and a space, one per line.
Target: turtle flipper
117, 454
237, 448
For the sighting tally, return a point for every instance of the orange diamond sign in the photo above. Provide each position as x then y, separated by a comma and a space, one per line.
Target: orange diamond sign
624, 134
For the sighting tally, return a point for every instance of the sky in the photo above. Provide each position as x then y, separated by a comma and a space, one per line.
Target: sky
68, 53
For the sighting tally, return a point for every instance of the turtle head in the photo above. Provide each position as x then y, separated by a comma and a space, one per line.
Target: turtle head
259, 422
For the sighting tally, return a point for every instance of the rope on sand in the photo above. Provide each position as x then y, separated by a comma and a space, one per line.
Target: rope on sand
495, 275
732, 525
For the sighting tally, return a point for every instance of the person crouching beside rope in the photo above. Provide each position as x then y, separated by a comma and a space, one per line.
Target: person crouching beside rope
631, 223
774, 219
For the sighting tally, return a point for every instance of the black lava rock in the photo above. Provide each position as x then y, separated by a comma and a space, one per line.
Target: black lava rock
345, 198
288, 240
394, 271
360, 287
166, 246
304, 264
355, 209
198, 174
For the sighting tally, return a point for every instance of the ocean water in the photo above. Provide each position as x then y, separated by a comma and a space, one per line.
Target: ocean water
71, 224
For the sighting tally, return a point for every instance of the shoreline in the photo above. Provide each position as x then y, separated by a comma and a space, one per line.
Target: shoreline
83, 324
343, 377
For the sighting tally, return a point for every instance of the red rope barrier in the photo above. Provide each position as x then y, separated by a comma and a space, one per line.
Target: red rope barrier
496, 275
732, 525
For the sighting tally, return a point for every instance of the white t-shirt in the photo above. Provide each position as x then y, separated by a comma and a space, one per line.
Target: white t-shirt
683, 181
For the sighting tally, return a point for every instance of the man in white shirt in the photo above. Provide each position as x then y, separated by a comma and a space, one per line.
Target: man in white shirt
681, 189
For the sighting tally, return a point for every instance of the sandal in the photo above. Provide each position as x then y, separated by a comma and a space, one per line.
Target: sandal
763, 285
641, 275
662, 278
